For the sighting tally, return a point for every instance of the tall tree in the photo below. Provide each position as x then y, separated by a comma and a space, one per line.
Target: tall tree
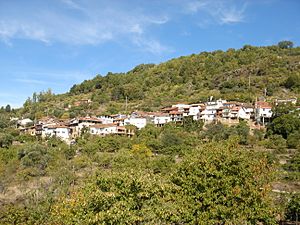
285, 44
8, 108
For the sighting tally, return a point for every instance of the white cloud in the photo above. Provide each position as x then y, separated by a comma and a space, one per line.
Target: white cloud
136, 28
94, 22
227, 15
219, 11
71, 4
195, 6
15, 29
78, 23
160, 20
151, 45
231, 17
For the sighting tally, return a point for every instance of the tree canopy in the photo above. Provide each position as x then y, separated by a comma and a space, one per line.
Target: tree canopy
285, 44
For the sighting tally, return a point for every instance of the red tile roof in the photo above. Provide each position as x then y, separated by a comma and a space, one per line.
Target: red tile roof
170, 109
263, 105
175, 113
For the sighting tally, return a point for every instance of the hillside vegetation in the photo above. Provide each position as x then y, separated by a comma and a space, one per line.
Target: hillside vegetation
242, 74
163, 175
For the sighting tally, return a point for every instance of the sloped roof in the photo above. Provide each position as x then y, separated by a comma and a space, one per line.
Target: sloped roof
99, 126
175, 113
169, 109
89, 119
263, 105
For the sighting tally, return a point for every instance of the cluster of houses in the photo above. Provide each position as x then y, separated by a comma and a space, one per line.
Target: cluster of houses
219, 110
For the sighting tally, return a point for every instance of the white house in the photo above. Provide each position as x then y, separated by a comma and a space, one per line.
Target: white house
263, 112
176, 116
88, 121
60, 131
186, 111
195, 111
161, 120
245, 112
103, 129
119, 119
215, 104
106, 119
82, 122
138, 122
48, 131
238, 112
234, 112
208, 114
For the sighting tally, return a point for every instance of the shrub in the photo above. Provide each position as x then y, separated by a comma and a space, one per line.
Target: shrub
293, 140
293, 208
276, 142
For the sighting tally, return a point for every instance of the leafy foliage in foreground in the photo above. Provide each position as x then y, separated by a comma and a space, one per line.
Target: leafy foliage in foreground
293, 208
217, 183
180, 174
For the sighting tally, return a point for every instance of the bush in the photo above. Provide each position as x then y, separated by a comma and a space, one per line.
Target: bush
242, 130
5, 140
276, 142
103, 159
293, 165
293, 140
293, 81
34, 156
207, 187
258, 134
69, 152
293, 208
170, 139
216, 132
81, 162
285, 125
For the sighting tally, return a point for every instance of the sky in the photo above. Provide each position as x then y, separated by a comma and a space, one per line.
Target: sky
58, 43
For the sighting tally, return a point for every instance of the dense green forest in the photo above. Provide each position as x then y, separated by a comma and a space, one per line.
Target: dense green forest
222, 74
187, 173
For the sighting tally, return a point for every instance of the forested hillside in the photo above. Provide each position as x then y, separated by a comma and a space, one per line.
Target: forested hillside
242, 74
195, 77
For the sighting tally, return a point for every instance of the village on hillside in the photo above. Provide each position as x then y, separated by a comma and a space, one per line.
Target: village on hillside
227, 112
